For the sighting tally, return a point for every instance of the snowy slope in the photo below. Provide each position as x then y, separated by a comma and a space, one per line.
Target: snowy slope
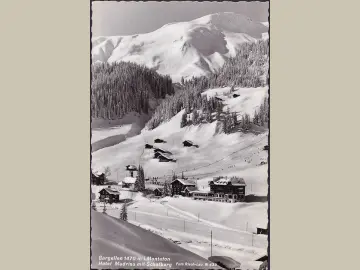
185, 49
111, 238
186, 221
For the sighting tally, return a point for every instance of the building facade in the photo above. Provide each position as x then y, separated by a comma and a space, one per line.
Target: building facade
110, 195
178, 186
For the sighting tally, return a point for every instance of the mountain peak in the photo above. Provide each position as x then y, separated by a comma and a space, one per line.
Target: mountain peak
183, 49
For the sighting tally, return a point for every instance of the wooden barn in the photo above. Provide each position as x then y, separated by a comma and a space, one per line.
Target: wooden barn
178, 186
228, 189
159, 150
158, 192
188, 143
97, 180
148, 146
109, 194
159, 141
163, 158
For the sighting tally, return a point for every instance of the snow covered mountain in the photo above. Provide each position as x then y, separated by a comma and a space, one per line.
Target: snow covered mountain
183, 49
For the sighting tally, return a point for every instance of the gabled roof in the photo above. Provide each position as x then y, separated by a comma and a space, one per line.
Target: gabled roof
235, 181
159, 189
188, 141
184, 182
191, 188
131, 167
111, 191
163, 155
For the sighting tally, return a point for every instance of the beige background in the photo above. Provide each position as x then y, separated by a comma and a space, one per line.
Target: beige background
45, 134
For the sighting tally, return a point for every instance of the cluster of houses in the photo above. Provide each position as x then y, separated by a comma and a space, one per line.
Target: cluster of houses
222, 189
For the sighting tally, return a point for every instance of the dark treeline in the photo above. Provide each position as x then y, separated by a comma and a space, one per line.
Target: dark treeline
247, 69
120, 88
261, 116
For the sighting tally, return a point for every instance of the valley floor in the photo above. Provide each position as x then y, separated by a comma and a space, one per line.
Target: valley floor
190, 223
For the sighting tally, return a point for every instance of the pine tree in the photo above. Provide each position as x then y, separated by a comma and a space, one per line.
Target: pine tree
142, 178
234, 119
137, 184
183, 120
195, 117
123, 213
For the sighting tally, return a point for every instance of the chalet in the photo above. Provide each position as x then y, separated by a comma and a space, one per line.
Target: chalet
189, 190
159, 150
131, 169
148, 146
178, 186
97, 179
109, 194
266, 147
188, 143
164, 158
128, 182
159, 141
236, 95
158, 192
228, 189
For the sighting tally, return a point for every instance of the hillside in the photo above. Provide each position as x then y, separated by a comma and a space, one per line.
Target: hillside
184, 49
112, 237
121, 88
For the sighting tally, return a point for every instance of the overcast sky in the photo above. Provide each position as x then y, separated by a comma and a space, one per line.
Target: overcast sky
128, 18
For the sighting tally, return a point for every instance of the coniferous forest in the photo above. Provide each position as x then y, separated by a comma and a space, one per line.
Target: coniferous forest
120, 88
247, 69
124, 87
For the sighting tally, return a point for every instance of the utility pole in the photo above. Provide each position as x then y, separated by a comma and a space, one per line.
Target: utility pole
211, 241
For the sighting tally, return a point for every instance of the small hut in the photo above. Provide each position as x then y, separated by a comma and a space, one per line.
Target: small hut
188, 143
158, 192
159, 141
109, 194
236, 95
148, 146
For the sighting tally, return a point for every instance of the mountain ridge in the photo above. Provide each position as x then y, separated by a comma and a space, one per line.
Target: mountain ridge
183, 49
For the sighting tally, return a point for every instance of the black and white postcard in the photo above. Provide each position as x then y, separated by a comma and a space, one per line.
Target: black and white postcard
179, 135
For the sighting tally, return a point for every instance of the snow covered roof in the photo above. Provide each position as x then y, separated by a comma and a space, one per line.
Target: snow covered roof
235, 181
131, 167
191, 188
129, 180
112, 191
184, 182
188, 141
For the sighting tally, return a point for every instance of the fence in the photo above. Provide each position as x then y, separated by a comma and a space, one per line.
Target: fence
196, 230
